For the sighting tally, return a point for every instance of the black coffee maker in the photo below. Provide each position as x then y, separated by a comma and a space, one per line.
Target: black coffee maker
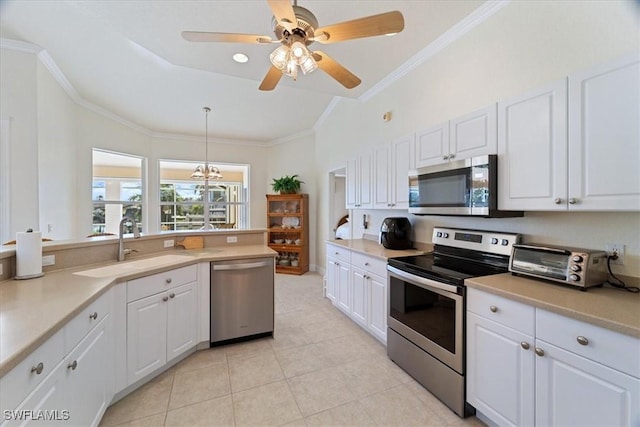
395, 233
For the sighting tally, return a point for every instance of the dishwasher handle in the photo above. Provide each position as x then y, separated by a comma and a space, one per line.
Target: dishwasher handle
243, 266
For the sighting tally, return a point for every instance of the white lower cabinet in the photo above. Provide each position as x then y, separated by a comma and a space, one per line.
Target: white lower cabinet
74, 390
163, 325
554, 372
357, 285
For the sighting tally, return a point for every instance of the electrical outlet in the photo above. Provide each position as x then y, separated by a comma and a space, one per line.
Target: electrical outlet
618, 249
48, 260
169, 243
232, 239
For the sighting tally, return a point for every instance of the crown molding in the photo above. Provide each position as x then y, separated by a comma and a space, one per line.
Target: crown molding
289, 138
475, 18
50, 64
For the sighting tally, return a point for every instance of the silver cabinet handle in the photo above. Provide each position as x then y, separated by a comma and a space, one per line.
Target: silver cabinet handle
172, 295
73, 365
557, 201
493, 309
93, 316
582, 340
366, 263
445, 157
165, 298
539, 351
452, 156
524, 345
573, 201
38, 368
168, 280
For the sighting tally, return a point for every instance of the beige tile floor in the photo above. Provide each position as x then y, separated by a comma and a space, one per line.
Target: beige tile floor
319, 369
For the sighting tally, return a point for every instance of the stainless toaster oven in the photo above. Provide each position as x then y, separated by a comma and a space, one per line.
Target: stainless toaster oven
572, 266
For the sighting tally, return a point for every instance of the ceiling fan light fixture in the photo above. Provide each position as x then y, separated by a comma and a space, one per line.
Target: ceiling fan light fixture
299, 52
280, 57
309, 65
291, 69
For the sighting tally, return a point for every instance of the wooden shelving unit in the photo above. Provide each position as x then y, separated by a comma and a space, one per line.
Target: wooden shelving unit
288, 231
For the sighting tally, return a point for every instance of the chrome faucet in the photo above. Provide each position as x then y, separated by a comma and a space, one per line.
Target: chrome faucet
136, 235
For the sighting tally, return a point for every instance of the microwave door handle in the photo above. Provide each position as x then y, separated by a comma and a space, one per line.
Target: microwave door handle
543, 249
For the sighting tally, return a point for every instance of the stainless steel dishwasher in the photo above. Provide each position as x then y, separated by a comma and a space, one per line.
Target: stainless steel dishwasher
241, 299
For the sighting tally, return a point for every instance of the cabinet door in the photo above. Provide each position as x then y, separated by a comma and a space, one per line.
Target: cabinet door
181, 320
344, 298
382, 190
365, 180
432, 145
500, 372
402, 161
47, 396
574, 391
88, 370
604, 135
474, 134
359, 283
332, 279
351, 189
146, 335
532, 150
377, 319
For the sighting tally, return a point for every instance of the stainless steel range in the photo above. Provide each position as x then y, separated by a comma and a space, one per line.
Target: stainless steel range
426, 312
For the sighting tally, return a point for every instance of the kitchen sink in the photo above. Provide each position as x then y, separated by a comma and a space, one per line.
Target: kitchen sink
132, 266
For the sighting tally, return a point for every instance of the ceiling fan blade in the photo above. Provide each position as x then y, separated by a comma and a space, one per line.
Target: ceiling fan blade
327, 64
271, 79
283, 11
374, 25
203, 36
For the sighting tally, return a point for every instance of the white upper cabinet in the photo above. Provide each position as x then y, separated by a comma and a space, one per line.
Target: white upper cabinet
359, 181
532, 150
392, 163
574, 147
432, 145
473, 134
604, 137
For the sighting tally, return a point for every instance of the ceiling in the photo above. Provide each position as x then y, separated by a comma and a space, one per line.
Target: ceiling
129, 58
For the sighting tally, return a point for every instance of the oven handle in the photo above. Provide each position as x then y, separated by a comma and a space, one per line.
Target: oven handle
422, 282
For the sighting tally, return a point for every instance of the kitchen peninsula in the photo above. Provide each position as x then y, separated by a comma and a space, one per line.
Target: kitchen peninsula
74, 321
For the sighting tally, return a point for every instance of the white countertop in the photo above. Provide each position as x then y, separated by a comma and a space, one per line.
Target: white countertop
33, 310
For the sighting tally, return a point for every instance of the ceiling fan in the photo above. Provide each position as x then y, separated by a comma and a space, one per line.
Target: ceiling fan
295, 28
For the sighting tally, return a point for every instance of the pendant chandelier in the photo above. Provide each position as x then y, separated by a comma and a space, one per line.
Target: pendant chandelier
206, 172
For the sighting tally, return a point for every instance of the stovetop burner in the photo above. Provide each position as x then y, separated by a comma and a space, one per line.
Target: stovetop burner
459, 255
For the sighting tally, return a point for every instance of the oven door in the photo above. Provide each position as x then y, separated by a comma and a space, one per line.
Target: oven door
428, 313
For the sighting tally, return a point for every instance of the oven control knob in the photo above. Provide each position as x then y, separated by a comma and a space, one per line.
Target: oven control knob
576, 258
505, 242
494, 241
574, 277
439, 234
576, 268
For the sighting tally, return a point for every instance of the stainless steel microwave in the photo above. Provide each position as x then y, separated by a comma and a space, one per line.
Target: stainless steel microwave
466, 187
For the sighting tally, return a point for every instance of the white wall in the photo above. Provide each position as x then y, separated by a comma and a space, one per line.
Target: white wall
56, 158
522, 46
18, 104
295, 156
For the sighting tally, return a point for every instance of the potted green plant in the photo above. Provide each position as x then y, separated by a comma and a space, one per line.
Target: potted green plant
287, 184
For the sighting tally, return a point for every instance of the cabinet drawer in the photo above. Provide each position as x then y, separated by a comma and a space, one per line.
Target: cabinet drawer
339, 253
145, 286
370, 264
613, 349
502, 310
21, 380
88, 318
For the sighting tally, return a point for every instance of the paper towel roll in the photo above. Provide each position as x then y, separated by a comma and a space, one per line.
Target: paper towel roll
28, 254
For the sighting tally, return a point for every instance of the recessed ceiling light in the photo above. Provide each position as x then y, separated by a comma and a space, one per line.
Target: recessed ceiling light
240, 57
